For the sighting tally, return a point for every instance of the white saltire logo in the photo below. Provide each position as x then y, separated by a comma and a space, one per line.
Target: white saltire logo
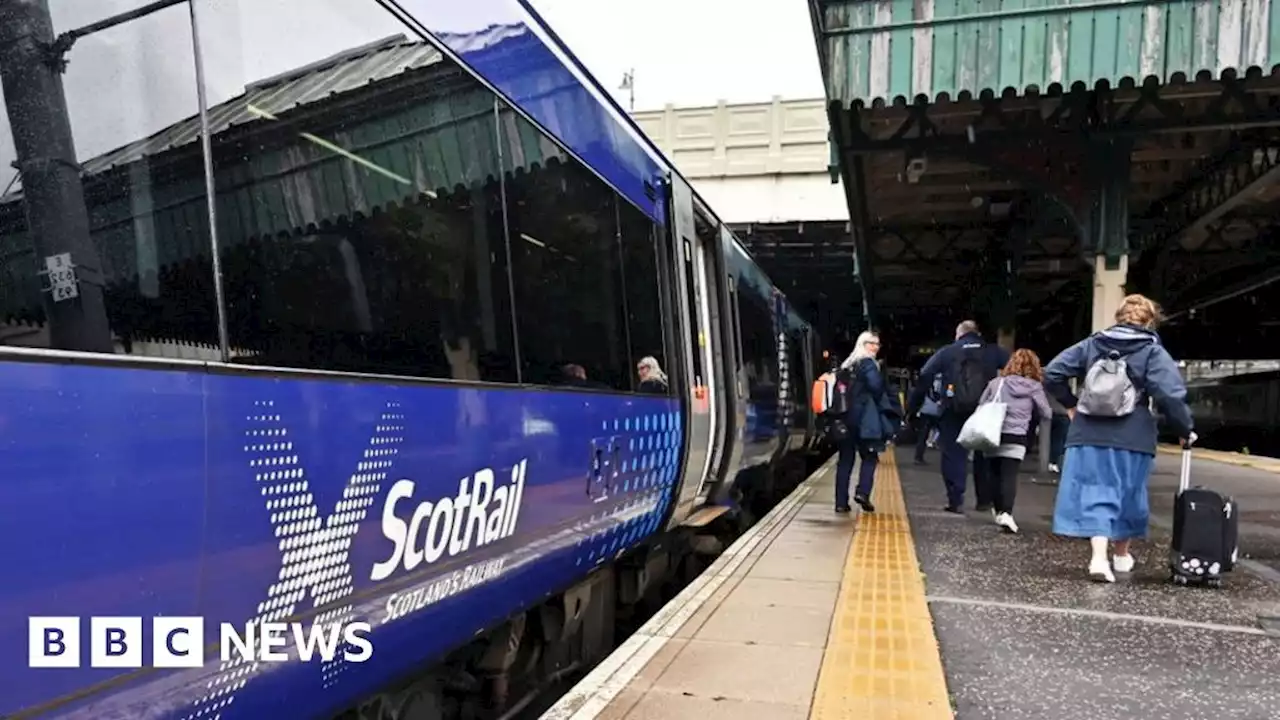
314, 549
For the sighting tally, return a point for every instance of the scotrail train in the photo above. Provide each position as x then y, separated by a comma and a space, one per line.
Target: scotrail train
405, 394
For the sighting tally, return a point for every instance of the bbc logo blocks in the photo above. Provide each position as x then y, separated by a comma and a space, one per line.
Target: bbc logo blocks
115, 642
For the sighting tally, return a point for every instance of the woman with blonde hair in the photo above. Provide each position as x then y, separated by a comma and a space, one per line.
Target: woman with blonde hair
1111, 443
867, 425
1019, 386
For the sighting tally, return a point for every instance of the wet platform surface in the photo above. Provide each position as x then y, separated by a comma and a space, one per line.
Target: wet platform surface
917, 613
1024, 633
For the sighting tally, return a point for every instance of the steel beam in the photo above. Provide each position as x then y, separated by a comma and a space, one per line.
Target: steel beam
1218, 189
845, 126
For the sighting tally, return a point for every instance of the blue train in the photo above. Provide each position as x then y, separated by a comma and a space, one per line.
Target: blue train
335, 317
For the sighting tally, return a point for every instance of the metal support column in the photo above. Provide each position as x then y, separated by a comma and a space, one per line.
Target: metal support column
1108, 224
53, 196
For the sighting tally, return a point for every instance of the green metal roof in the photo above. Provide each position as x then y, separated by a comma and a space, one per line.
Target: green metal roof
881, 50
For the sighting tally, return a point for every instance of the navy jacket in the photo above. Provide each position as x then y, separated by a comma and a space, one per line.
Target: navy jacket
873, 413
994, 358
1154, 375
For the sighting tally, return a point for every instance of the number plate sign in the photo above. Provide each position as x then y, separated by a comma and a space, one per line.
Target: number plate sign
62, 277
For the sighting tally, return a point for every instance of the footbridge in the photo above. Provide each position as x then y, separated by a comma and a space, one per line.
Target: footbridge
767, 168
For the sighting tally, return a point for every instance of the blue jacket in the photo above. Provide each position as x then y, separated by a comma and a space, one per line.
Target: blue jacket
994, 358
873, 415
1154, 374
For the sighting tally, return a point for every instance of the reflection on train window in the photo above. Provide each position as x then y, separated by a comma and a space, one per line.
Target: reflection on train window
136, 209
640, 275
359, 207
759, 347
562, 225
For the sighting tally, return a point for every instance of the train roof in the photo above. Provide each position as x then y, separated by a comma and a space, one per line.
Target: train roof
1234, 380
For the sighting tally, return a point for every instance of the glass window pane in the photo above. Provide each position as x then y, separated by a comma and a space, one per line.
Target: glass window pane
644, 303
566, 265
759, 347
135, 209
359, 208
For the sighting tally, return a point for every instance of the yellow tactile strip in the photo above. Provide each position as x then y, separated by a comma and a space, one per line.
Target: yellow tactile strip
882, 660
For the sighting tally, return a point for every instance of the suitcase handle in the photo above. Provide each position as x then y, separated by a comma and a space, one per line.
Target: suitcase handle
1184, 479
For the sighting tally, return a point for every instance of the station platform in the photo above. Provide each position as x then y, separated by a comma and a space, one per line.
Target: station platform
912, 612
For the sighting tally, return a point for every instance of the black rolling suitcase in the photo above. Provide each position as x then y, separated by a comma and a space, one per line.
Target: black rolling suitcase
1205, 532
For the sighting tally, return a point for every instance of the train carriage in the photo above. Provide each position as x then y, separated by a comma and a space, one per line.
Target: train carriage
353, 339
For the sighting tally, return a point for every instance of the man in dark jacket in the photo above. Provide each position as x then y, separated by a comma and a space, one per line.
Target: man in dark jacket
966, 365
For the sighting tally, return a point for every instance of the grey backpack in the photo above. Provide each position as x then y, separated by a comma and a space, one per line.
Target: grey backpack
1108, 391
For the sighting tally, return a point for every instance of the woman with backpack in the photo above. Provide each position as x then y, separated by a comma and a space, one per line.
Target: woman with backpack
870, 421
1111, 443
1019, 386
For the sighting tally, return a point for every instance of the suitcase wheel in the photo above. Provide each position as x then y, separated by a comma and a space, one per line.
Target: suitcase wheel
1213, 583
1179, 579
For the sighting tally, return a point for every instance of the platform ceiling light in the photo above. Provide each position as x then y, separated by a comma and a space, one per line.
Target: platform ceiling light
531, 239
264, 114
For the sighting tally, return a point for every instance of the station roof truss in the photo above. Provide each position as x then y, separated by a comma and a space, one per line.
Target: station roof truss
949, 121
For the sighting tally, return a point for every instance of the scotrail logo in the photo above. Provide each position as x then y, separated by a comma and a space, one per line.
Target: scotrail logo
478, 515
179, 642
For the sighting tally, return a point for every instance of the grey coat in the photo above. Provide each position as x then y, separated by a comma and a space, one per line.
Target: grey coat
1020, 395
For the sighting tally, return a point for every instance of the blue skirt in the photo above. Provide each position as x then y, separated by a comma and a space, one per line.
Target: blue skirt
1103, 492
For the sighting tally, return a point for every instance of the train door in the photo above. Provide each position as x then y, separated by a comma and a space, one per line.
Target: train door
707, 267
733, 400
698, 360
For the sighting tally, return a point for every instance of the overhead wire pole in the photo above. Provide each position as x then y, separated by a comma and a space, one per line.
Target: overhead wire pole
32, 61
53, 196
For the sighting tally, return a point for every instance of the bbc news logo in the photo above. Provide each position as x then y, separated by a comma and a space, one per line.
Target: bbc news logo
179, 642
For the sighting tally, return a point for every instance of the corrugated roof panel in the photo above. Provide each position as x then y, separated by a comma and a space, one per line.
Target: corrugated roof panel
881, 50
280, 96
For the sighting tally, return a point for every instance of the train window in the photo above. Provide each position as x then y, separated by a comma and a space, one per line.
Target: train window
759, 345
640, 277
133, 217
359, 203
566, 265
735, 321
695, 319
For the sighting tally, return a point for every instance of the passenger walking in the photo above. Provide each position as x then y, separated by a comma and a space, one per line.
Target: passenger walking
873, 417
929, 414
1057, 434
1111, 443
1021, 390
966, 365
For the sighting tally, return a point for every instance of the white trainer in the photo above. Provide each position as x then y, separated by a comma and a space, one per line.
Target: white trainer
1123, 563
1005, 521
1100, 571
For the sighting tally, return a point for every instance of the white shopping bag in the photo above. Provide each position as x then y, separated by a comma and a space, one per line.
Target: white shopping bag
981, 432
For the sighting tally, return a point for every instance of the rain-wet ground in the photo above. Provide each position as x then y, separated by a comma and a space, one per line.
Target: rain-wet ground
1025, 634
